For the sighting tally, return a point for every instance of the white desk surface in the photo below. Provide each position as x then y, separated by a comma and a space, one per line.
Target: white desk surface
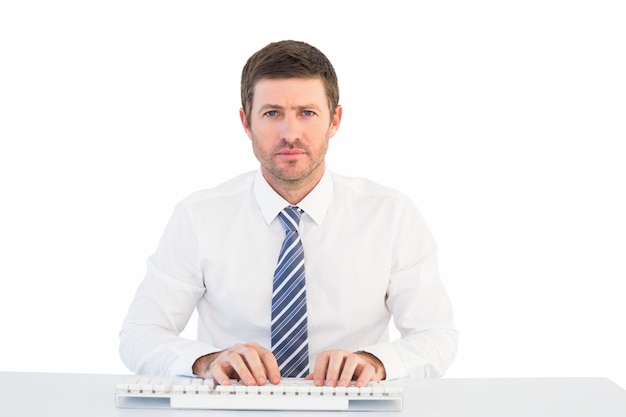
85, 395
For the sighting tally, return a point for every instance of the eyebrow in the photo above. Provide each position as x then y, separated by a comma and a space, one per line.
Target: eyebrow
266, 107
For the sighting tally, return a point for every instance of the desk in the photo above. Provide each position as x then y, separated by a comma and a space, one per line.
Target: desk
84, 395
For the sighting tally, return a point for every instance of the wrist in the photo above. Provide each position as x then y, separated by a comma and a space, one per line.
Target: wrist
375, 362
202, 364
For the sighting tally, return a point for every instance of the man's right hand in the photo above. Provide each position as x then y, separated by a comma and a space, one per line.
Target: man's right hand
249, 362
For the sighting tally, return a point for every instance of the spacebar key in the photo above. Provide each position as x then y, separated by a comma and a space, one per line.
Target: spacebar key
259, 402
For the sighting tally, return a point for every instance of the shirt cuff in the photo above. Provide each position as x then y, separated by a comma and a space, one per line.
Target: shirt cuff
186, 358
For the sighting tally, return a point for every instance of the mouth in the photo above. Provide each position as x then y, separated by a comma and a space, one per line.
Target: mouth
290, 152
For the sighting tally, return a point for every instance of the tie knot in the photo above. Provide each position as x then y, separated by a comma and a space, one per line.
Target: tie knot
290, 217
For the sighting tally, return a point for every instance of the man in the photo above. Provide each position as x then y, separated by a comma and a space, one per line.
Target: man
364, 256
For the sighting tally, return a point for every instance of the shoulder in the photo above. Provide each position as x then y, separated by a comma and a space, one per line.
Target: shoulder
359, 186
370, 201
225, 195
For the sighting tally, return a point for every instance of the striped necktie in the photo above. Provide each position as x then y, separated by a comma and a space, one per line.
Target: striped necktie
289, 334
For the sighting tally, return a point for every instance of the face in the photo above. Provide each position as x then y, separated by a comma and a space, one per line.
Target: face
290, 126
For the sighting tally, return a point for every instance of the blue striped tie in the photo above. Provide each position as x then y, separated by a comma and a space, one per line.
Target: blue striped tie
289, 318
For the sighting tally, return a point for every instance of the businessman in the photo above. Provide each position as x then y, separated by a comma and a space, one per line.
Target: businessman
294, 269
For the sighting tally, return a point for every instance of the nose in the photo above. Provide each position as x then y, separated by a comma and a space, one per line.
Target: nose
290, 129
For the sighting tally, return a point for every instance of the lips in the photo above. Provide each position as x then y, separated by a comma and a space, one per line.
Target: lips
291, 152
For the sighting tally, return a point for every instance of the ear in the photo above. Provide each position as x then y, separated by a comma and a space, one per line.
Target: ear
244, 123
335, 121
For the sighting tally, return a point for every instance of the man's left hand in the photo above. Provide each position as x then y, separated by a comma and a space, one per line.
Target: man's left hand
339, 367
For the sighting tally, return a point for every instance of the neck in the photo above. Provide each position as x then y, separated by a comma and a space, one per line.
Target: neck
294, 191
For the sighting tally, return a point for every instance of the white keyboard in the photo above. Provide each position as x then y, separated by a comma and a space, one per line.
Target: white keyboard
289, 394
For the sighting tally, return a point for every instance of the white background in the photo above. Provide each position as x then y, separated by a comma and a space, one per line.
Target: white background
504, 120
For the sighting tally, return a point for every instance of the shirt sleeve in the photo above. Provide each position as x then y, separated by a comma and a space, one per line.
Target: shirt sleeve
419, 304
149, 339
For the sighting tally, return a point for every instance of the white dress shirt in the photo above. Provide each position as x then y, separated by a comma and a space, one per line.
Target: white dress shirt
368, 257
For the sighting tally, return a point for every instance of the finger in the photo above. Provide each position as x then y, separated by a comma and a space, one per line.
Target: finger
321, 365
377, 366
219, 376
270, 366
335, 365
260, 362
245, 361
350, 369
366, 373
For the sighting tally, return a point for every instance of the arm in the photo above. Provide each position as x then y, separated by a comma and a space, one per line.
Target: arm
149, 338
164, 301
166, 298
419, 304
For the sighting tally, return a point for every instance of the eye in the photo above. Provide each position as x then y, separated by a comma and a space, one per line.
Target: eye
272, 113
308, 113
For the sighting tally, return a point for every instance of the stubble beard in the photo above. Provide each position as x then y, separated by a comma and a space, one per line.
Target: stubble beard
287, 177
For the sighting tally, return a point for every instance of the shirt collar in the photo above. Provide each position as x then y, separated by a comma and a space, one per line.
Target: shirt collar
315, 204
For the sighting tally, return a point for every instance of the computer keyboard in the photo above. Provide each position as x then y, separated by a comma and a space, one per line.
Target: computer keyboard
289, 394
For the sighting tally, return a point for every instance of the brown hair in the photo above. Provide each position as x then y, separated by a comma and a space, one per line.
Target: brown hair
288, 59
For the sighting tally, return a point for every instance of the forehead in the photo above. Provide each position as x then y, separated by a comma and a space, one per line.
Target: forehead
290, 92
